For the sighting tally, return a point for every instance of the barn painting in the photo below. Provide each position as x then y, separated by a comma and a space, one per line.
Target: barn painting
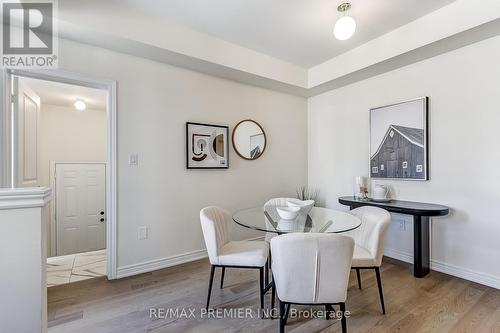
398, 148
400, 155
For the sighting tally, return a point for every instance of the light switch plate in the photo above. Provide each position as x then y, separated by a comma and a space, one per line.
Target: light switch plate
133, 159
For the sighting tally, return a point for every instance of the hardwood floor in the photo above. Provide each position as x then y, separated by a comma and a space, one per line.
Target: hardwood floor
436, 303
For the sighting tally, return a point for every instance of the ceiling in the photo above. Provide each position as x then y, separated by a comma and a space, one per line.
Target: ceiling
63, 94
297, 31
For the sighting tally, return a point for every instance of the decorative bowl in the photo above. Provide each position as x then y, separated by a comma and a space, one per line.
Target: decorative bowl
288, 213
304, 205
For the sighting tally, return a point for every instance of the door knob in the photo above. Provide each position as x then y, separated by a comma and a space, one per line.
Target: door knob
102, 220
102, 212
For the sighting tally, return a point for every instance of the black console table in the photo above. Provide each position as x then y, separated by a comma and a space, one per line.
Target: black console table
421, 213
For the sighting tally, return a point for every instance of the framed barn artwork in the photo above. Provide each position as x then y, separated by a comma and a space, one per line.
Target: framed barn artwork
206, 146
399, 141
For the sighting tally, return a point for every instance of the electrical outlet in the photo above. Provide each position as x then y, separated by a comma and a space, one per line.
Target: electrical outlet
133, 159
402, 225
142, 233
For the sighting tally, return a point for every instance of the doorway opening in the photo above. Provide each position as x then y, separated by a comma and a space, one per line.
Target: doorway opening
63, 136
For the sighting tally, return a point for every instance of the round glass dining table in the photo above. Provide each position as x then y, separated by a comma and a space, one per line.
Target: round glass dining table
319, 220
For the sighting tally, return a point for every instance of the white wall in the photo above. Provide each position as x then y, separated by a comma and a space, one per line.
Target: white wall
23, 275
23, 221
463, 87
154, 103
65, 134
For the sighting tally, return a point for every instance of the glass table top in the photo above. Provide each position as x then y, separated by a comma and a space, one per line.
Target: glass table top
317, 220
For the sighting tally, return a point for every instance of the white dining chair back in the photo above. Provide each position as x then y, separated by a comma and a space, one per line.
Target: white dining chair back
311, 268
370, 239
224, 253
277, 202
372, 233
215, 224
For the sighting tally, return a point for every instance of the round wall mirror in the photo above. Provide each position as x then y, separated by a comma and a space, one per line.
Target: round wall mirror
249, 139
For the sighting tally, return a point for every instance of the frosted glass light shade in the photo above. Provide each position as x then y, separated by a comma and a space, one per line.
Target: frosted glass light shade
80, 105
344, 28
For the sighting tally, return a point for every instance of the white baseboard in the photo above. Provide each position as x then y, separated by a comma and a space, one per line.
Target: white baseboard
463, 273
153, 265
467, 274
399, 255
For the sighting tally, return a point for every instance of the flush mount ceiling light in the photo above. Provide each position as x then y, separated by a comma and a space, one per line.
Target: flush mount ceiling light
345, 26
80, 105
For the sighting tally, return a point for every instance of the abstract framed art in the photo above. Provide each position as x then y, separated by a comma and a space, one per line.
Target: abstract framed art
206, 146
399, 141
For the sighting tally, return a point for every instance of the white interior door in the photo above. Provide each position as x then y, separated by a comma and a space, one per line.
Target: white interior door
27, 104
80, 207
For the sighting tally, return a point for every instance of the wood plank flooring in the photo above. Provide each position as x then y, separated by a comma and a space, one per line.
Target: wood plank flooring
437, 303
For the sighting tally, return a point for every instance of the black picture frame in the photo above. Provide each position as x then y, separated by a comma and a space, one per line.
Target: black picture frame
414, 166
190, 143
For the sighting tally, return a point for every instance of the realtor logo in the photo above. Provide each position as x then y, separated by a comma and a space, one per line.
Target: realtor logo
28, 34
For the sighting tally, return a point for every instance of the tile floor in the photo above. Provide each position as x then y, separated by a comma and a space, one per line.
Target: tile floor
75, 267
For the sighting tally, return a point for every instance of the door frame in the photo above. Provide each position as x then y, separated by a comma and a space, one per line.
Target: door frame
6, 123
61, 76
53, 204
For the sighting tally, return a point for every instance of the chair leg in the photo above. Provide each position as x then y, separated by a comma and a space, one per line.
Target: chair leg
261, 291
344, 319
266, 273
273, 294
269, 259
287, 311
282, 317
212, 271
328, 311
380, 291
359, 277
222, 277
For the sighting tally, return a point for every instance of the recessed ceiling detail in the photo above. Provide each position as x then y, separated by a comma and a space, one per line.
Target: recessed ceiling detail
297, 31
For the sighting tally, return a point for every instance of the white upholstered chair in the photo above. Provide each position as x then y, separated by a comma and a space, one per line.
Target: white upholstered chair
275, 202
223, 252
370, 240
311, 269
